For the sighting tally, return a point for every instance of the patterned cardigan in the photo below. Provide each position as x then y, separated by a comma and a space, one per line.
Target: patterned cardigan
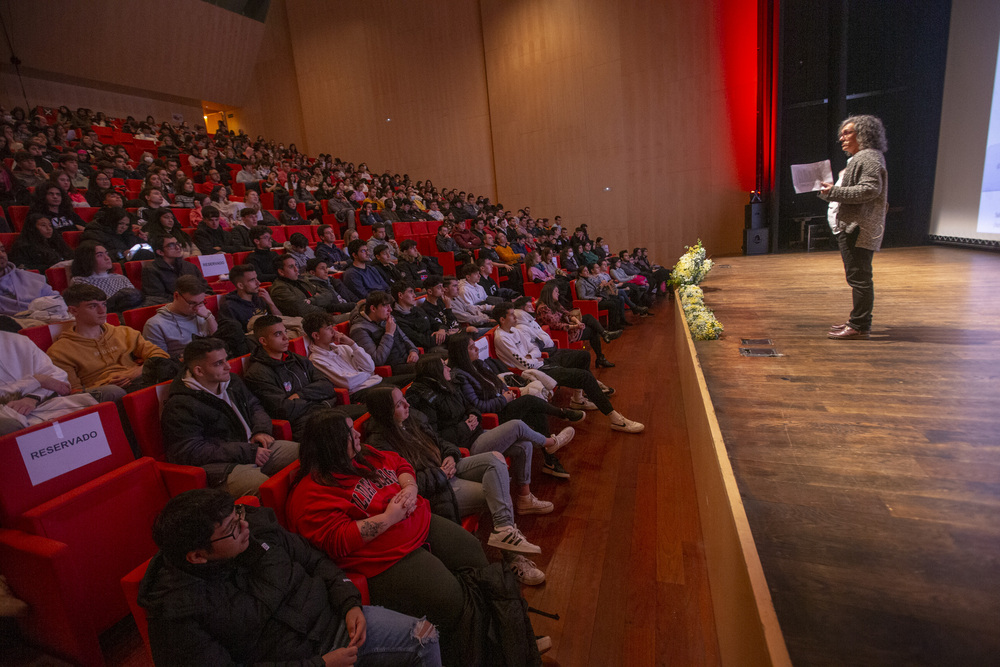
863, 198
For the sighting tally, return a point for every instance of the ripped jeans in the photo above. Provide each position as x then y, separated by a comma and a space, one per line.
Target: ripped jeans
394, 640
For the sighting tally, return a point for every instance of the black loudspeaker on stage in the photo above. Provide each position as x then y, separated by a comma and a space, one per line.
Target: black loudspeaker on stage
755, 241
754, 233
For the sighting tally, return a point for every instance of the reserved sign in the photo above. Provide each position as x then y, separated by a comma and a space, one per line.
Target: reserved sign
483, 346
62, 447
213, 265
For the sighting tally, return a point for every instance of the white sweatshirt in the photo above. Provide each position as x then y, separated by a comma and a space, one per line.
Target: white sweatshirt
347, 366
516, 349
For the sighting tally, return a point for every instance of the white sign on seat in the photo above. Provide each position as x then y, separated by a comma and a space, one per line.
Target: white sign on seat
62, 447
213, 265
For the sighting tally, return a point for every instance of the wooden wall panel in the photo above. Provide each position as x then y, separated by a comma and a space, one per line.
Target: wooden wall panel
420, 64
273, 107
50, 93
594, 94
186, 48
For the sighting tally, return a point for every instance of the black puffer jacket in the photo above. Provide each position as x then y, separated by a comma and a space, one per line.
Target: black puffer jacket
432, 483
202, 430
279, 602
446, 411
495, 619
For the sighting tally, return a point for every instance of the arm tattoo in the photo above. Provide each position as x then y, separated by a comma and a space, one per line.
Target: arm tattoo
370, 528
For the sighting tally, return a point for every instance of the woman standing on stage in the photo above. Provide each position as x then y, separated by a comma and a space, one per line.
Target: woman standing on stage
858, 204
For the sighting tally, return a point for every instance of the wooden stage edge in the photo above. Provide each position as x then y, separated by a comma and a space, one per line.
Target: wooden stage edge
746, 623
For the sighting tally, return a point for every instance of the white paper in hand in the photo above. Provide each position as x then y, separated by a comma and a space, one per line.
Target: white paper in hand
809, 177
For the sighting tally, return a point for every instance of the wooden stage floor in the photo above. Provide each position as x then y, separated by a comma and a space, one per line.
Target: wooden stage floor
870, 470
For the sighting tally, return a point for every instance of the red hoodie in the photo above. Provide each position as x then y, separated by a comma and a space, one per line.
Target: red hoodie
327, 516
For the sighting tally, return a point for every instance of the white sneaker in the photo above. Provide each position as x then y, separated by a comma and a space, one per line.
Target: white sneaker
585, 404
628, 426
562, 439
509, 538
526, 571
529, 504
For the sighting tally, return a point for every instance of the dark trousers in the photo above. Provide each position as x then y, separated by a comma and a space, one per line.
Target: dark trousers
592, 333
571, 368
422, 584
616, 311
858, 269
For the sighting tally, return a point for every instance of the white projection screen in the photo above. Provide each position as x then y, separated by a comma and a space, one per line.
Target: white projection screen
966, 205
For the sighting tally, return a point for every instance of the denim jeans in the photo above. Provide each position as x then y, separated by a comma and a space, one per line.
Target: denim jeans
482, 479
513, 439
390, 641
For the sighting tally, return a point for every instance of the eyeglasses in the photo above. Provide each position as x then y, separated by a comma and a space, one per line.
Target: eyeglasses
241, 511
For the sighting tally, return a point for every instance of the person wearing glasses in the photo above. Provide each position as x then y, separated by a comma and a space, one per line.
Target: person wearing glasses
858, 204
175, 324
231, 586
159, 277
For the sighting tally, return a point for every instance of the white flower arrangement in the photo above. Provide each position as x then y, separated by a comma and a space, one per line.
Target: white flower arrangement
700, 318
692, 267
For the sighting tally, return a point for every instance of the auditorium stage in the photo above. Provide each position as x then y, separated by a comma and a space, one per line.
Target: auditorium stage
869, 470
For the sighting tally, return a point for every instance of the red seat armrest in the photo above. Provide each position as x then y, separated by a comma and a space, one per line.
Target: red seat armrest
281, 429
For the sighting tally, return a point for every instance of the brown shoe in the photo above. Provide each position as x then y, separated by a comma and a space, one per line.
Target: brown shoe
838, 327
848, 333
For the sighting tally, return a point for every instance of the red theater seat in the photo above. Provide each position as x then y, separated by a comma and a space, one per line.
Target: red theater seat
69, 567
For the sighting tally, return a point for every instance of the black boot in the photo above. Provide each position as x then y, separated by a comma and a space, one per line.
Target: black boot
602, 362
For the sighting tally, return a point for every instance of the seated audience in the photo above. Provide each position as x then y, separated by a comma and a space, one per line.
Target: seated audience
287, 384
380, 236
163, 223
454, 486
98, 357
92, 266
484, 390
50, 202
211, 238
360, 278
383, 262
227, 580
151, 199
361, 506
437, 305
549, 311
589, 288
330, 292
458, 422
443, 240
38, 247
571, 368
177, 323
343, 361
248, 300
376, 331
328, 250
297, 247
414, 267
262, 257
414, 321
27, 172
159, 277
296, 296
494, 293
210, 419
112, 228
18, 288
469, 299
289, 214
32, 388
